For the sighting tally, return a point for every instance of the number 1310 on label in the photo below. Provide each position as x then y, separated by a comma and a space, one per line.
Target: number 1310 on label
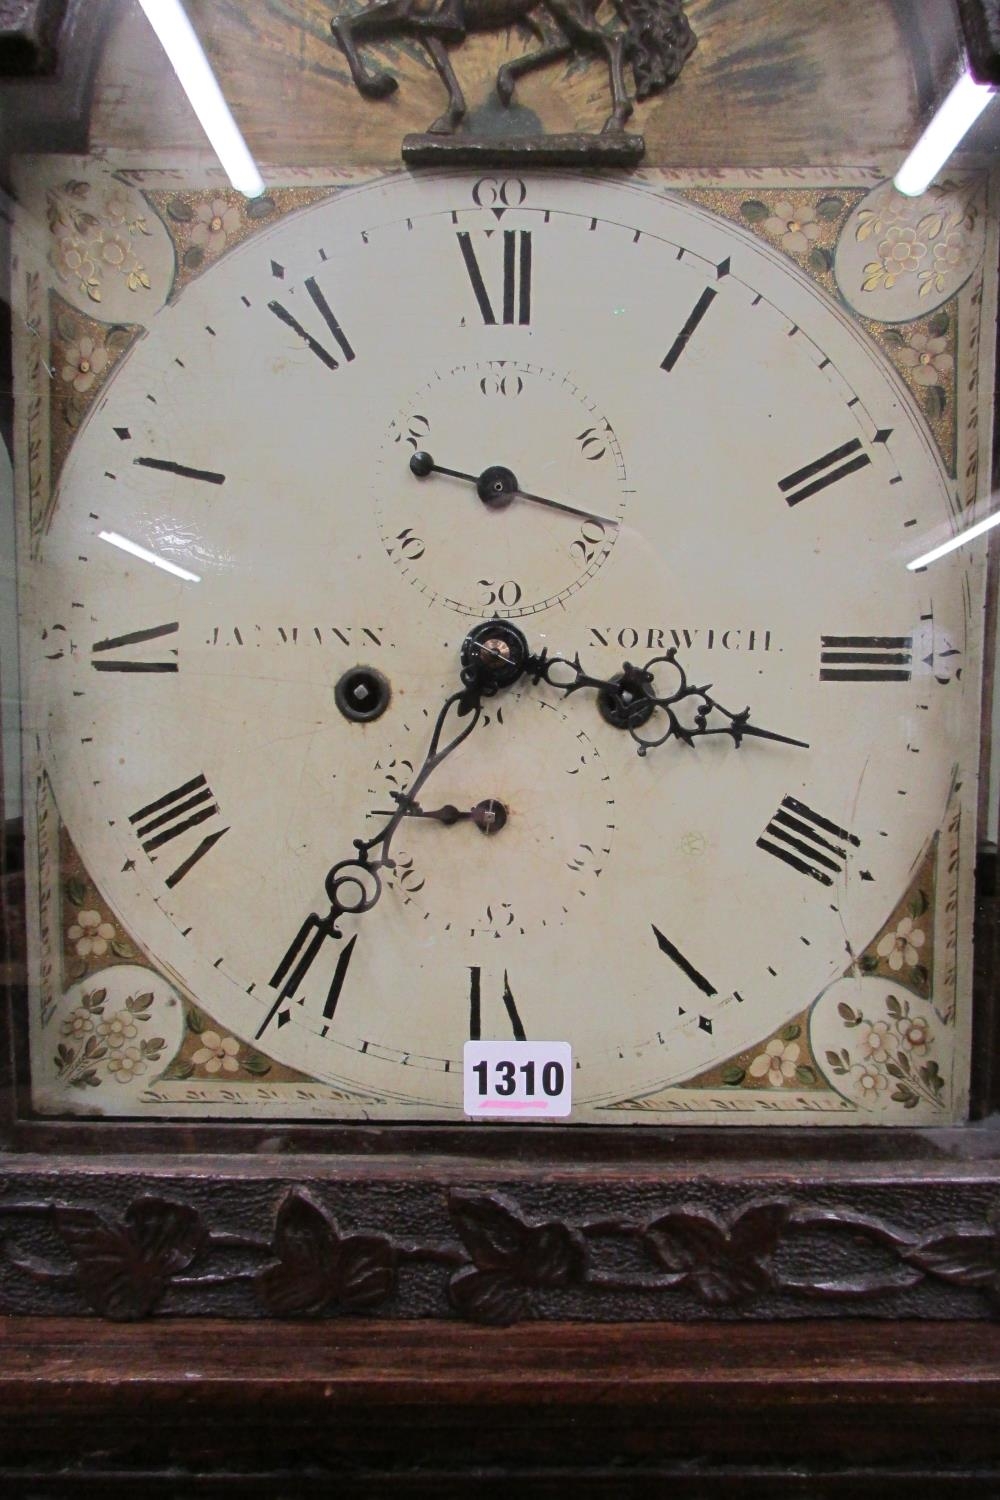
518, 1080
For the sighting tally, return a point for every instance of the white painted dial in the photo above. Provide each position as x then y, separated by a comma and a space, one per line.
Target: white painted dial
760, 471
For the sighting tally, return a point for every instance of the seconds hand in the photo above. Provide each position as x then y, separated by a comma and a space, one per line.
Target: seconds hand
498, 486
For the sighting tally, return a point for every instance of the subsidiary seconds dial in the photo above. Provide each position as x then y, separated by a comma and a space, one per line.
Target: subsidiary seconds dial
500, 488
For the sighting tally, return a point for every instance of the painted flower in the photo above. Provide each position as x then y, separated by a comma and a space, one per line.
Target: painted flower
895, 210
869, 1080
902, 946
795, 225
927, 358
776, 1063
900, 252
72, 257
78, 1024
126, 1064
118, 1029
88, 933
85, 360
915, 1035
214, 222
115, 250
873, 1041
948, 252
217, 1052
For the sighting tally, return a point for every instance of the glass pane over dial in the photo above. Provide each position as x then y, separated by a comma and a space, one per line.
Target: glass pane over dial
636, 429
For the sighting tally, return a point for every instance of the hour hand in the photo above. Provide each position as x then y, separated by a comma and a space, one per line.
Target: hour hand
489, 816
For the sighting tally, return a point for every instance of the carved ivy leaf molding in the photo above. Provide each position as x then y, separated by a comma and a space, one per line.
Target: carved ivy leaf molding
967, 1255
724, 1264
123, 1267
772, 1256
511, 1259
320, 1271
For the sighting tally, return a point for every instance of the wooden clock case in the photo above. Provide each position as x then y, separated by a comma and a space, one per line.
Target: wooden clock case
828, 1329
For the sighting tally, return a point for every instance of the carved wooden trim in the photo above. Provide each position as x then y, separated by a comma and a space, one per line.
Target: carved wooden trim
498, 1248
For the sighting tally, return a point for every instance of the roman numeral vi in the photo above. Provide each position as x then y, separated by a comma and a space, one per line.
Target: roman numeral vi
476, 1009
816, 476
109, 662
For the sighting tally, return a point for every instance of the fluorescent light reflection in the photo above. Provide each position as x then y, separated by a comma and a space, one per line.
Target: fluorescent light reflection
968, 535
955, 116
169, 20
146, 556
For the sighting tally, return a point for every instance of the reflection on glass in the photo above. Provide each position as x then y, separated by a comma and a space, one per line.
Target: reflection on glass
169, 20
969, 534
142, 552
954, 119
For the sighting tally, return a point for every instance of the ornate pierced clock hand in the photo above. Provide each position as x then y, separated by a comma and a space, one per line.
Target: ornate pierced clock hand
497, 487
490, 660
629, 701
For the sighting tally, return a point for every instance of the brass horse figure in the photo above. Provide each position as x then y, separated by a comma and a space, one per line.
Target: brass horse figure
654, 38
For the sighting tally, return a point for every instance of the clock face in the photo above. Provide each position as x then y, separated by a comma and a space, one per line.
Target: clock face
698, 451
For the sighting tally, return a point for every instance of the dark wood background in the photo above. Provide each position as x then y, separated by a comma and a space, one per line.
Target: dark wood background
881, 1410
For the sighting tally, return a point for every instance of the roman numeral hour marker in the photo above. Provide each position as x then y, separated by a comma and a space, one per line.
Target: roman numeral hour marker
516, 285
807, 842
816, 476
176, 814
865, 658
